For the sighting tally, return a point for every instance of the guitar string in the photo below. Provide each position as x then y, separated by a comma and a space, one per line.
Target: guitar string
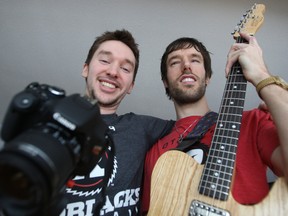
225, 122
240, 95
229, 87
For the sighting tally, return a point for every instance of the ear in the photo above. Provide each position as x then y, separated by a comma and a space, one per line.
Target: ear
207, 81
165, 83
85, 70
131, 88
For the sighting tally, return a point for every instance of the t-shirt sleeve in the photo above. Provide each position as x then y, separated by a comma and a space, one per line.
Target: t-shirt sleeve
268, 139
157, 128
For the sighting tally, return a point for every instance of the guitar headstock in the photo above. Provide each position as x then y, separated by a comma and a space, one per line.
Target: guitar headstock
251, 21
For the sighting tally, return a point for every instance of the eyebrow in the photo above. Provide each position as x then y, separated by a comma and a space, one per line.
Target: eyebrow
108, 53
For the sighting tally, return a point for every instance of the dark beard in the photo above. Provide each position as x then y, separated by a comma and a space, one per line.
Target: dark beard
189, 95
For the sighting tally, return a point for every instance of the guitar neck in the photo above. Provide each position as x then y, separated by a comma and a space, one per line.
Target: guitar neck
217, 175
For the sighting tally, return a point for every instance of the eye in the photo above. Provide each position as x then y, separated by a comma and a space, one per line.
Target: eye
173, 63
104, 61
195, 60
125, 69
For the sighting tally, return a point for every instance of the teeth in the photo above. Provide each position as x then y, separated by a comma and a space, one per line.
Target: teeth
188, 80
109, 85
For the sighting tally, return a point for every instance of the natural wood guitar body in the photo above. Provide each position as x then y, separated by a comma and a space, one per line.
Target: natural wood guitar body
175, 182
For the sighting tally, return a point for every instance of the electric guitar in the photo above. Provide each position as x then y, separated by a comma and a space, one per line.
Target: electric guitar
181, 186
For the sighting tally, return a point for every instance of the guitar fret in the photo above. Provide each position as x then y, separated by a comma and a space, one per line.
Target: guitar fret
227, 101
224, 174
236, 111
229, 115
218, 170
217, 164
231, 104
227, 139
229, 121
221, 182
235, 86
226, 136
234, 91
215, 191
225, 154
234, 118
235, 95
236, 78
228, 124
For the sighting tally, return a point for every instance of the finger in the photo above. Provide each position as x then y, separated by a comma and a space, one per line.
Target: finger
232, 57
246, 36
238, 46
251, 39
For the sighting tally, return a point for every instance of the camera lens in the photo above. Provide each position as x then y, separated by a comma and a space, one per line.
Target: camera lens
18, 180
15, 184
32, 168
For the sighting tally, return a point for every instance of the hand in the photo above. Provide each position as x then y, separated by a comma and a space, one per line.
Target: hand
250, 57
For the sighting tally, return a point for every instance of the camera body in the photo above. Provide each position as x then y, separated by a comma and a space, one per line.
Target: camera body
49, 138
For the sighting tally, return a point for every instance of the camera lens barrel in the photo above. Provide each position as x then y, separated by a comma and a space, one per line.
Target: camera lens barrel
36, 164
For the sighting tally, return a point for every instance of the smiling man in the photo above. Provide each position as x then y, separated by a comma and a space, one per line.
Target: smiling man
110, 74
113, 186
186, 71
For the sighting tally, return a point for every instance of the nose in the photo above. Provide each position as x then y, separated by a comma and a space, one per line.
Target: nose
113, 70
187, 66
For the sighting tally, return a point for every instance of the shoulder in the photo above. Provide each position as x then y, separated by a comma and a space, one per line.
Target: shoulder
144, 118
258, 119
155, 127
257, 114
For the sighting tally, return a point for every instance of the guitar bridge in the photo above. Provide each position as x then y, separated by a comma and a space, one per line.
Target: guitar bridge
200, 209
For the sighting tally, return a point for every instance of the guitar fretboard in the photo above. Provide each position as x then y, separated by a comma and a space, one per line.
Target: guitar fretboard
217, 175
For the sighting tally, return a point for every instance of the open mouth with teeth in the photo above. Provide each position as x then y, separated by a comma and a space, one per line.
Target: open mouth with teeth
188, 80
106, 84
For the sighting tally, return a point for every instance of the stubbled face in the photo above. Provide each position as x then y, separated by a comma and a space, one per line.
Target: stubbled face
110, 74
186, 75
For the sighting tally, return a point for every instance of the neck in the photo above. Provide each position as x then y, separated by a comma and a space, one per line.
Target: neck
104, 109
107, 110
199, 108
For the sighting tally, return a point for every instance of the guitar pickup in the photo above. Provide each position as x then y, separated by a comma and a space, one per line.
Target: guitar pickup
202, 209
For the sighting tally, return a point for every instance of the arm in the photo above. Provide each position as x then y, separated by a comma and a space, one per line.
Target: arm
276, 98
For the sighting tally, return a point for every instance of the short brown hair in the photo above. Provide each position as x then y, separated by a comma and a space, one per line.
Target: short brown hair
123, 36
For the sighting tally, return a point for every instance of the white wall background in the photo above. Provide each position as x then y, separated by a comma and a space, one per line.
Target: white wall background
47, 41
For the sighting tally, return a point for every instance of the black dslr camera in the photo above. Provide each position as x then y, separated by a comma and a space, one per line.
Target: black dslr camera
49, 138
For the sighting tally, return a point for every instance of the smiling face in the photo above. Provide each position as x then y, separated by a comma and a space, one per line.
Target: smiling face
186, 79
109, 75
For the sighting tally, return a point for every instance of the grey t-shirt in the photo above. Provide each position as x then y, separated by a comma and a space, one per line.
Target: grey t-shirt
132, 136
